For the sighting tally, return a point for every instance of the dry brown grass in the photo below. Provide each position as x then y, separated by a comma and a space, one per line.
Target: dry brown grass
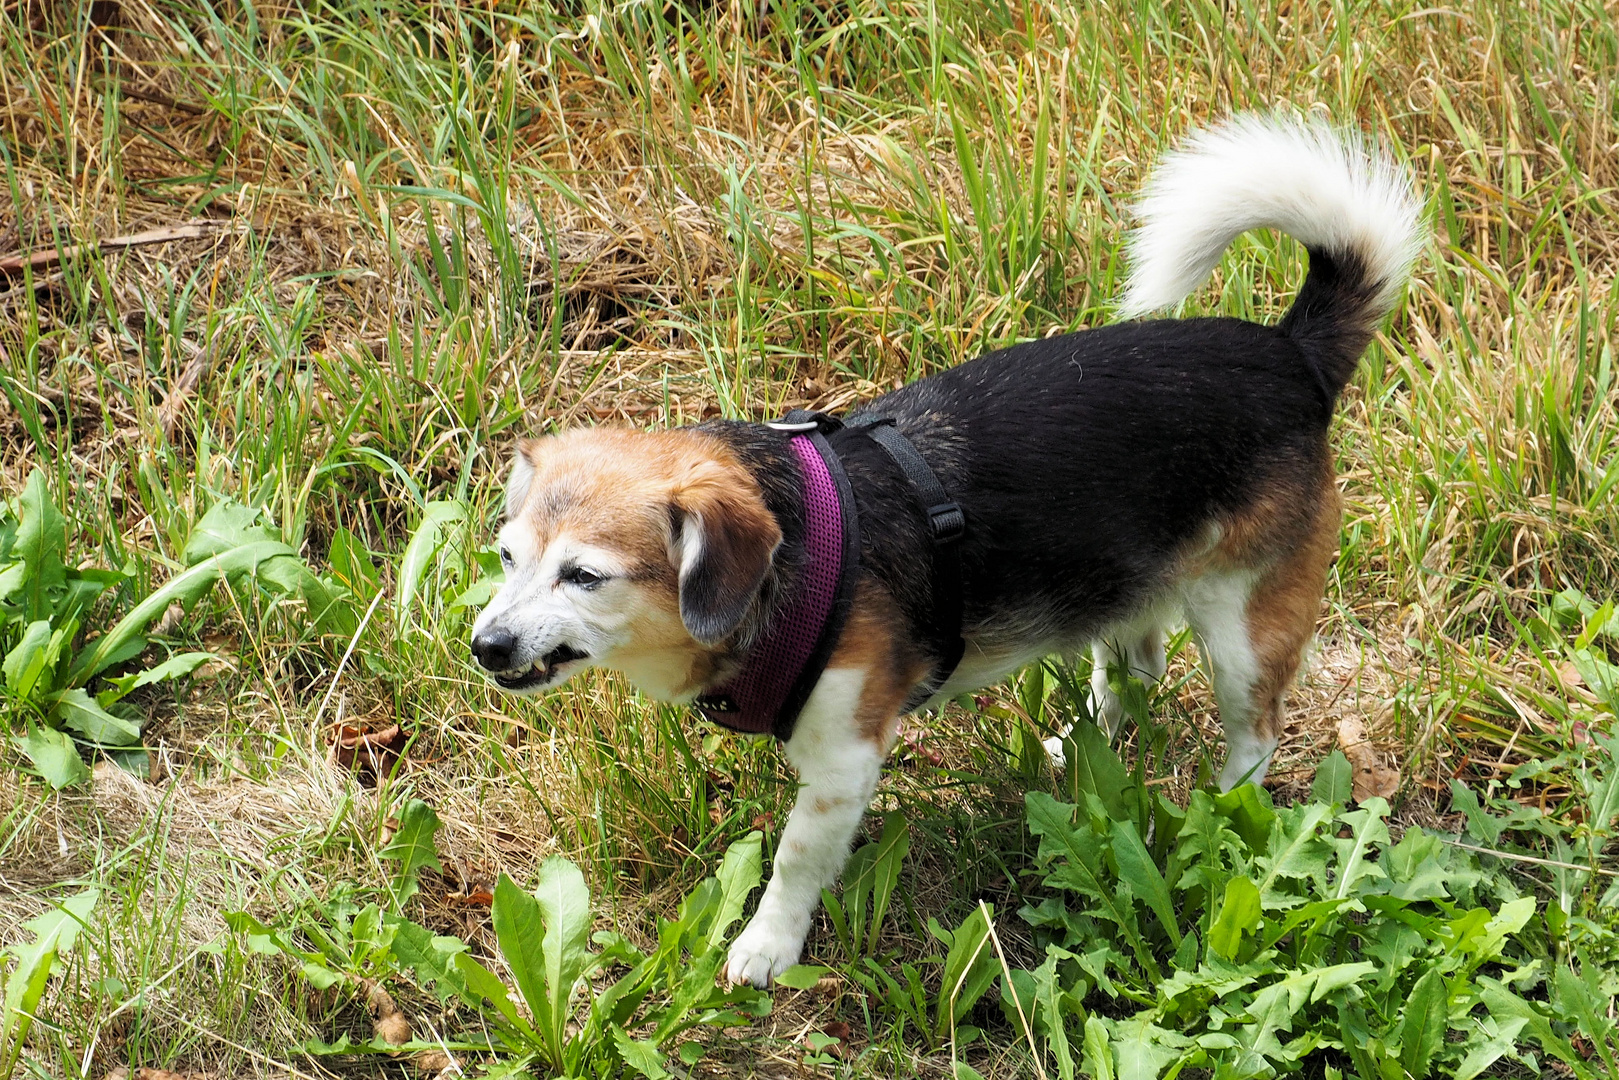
652, 226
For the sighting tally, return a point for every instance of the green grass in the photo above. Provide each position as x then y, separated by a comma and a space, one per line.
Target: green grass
441, 228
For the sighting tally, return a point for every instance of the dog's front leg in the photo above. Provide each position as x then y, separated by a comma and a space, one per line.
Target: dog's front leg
838, 747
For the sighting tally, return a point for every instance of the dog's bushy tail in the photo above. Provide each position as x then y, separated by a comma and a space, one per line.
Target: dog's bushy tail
1351, 208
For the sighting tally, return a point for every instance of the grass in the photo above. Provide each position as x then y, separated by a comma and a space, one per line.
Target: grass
431, 230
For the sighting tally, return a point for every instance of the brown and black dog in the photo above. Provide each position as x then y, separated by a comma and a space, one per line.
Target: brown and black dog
1113, 481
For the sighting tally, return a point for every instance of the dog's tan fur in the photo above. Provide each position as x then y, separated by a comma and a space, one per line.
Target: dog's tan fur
613, 489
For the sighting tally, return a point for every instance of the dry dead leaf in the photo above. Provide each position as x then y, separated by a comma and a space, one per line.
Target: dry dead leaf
1370, 778
369, 754
170, 622
387, 1022
436, 1063
143, 1073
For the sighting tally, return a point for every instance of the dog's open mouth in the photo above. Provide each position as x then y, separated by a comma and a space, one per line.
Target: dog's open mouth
542, 671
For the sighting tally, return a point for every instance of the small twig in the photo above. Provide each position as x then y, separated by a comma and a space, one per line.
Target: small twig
14, 265
1006, 971
1537, 860
155, 98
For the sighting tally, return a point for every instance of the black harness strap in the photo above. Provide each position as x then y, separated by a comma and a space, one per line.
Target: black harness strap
947, 523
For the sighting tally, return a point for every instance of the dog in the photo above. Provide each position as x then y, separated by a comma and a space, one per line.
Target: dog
1111, 481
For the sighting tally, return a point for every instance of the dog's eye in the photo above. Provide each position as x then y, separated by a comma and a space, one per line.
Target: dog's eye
578, 575
506, 557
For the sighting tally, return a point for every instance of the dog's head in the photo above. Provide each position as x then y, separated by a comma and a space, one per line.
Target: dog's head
640, 552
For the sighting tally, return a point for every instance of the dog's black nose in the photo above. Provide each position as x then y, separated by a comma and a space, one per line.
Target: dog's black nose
494, 648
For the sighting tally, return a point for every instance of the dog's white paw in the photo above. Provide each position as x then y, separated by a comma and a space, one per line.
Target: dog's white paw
761, 952
1053, 745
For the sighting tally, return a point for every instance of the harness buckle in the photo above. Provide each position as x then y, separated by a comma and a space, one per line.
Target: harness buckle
801, 421
947, 522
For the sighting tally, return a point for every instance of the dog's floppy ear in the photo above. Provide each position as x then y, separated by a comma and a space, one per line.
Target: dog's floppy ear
522, 476
724, 538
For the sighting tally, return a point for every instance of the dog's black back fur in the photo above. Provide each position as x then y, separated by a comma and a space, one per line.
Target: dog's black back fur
1132, 439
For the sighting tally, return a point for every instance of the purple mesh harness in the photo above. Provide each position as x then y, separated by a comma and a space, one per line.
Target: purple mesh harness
783, 666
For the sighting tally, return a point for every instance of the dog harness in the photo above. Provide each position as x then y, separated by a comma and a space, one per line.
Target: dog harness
784, 664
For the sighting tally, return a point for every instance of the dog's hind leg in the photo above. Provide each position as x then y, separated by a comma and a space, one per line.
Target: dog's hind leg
1142, 654
1141, 649
1253, 626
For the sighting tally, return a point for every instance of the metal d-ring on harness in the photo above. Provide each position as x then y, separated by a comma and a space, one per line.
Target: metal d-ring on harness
783, 667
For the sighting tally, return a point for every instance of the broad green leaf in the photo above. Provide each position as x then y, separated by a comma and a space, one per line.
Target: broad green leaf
1328, 979
1500, 1041
1093, 768
1417, 867
1423, 1022
319, 975
262, 940
1481, 825
328, 607
1075, 858
176, 666
54, 756
81, 712
1368, 829
564, 902
801, 976
1334, 780
1141, 1049
25, 663
1136, 867
1602, 786
520, 931
1505, 1007
1239, 912
1511, 918
1295, 851
643, 1057
412, 845
1097, 1059
351, 563
1584, 1000
1600, 675
12, 577
430, 958
892, 847
481, 983
970, 968
184, 588
424, 544
856, 894
53, 933
1049, 996
226, 526
1248, 807
738, 875
1207, 846
41, 544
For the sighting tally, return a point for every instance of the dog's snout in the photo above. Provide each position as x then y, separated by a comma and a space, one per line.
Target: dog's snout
493, 648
